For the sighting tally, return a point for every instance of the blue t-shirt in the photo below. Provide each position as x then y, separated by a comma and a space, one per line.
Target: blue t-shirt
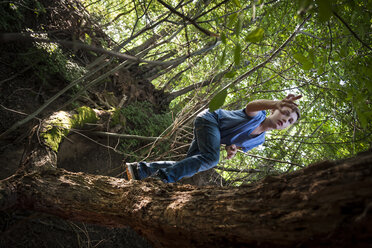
236, 127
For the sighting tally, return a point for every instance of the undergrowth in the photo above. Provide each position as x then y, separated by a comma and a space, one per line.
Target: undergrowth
139, 118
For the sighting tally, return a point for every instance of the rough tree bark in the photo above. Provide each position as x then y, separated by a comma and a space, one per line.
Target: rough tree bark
328, 204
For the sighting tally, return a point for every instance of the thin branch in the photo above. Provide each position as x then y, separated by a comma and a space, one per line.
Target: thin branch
177, 76
351, 31
311, 35
237, 170
215, 7
18, 74
233, 12
189, 88
9, 37
275, 160
117, 17
17, 112
127, 136
94, 141
300, 144
203, 30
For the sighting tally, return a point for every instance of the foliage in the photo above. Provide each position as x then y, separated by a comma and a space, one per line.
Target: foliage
138, 118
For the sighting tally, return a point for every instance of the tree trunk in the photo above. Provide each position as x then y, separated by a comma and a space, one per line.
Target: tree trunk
326, 203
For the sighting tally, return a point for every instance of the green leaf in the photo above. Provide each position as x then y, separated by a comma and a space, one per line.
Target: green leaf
255, 36
237, 3
223, 58
306, 63
304, 6
238, 26
324, 9
230, 74
344, 51
362, 118
369, 86
232, 19
218, 100
223, 38
237, 54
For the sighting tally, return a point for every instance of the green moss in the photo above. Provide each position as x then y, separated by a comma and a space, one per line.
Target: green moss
55, 129
60, 124
84, 115
117, 118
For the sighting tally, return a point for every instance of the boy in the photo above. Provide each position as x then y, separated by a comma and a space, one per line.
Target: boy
239, 129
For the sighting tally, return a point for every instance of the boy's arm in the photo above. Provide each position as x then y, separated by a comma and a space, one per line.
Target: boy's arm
255, 106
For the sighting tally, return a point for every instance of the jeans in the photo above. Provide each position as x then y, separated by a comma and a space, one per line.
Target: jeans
203, 154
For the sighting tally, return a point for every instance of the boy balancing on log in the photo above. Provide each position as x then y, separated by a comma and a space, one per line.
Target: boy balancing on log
239, 129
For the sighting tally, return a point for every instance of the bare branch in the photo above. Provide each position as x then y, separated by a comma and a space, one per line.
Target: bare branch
9, 37
351, 31
203, 30
275, 160
127, 136
189, 88
237, 170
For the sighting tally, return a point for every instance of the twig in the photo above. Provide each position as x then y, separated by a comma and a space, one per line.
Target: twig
203, 30
237, 170
15, 111
18, 74
215, 7
351, 31
9, 37
275, 160
128, 136
109, 147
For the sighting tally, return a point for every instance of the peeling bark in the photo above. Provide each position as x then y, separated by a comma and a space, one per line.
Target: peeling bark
325, 203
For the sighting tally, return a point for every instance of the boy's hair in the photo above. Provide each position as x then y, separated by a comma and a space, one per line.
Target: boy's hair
297, 110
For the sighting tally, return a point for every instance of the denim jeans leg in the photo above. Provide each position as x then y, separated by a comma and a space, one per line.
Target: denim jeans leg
193, 149
149, 169
206, 156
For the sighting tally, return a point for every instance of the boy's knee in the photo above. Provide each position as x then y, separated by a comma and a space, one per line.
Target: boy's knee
212, 158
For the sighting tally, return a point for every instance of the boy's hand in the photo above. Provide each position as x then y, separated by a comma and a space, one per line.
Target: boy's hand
287, 102
292, 97
231, 151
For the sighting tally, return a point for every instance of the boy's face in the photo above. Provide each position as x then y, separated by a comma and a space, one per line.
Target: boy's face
281, 120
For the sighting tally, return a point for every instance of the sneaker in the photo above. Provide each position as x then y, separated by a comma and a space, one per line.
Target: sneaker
132, 171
